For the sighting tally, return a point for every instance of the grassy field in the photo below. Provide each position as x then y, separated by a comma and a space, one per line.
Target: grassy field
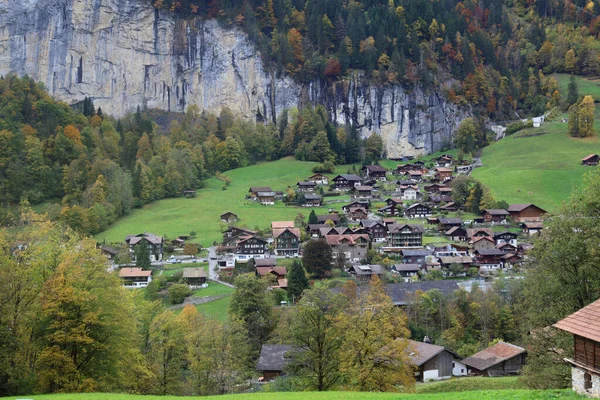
540, 169
180, 216
585, 86
471, 384
475, 395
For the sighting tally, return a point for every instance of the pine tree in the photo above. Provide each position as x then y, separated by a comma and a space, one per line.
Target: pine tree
297, 280
573, 93
312, 217
142, 256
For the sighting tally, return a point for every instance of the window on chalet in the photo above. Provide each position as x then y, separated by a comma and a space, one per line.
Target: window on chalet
587, 381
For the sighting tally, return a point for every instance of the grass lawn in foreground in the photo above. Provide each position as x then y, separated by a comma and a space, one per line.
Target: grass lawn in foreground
215, 309
470, 384
180, 216
476, 395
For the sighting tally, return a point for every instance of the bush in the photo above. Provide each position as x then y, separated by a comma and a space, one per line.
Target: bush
326, 167
278, 295
178, 293
517, 126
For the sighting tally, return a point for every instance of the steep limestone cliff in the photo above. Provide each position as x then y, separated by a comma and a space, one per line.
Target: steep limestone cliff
124, 54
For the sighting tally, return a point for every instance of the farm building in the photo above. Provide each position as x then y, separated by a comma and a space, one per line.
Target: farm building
585, 365
590, 160
434, 362
498, 360
195, 277
229, 217
526, 212
273, 359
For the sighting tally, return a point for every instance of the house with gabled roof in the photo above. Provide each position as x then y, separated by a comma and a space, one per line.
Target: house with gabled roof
433, 362
195, 278
312, 200
404, 235
365, 272
153, 242
500, 359
584, 325
376, 172
591, 160
318, 179
248, 247
417, 210
494, 215
277, 274
346, 181
353, 246
273, 360
333, 217
229, 217
255, 189
306, 187
532, 228
135, 277
526, 212
287, 241
266, 198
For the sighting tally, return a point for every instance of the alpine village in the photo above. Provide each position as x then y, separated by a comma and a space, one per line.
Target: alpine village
299, 199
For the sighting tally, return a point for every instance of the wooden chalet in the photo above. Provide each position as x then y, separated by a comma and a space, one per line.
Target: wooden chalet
416, 175
447, 223
365, 272
312, 200
248, 247
585, 364
591, 160
195, 278
405, 235
266, 198
356, 204
393, 207
479, 232
445, 160
229, 217
450, 207
265, 262
333, 217
376, 172
153, 242
489, 258
443, 173
505, 237
433, 363
532, 228
336, 230
277, 274
406, 168
456, 234
353, 247
417, 210
407, 271
272, 361
315, 229
507, 248
448, 261
526, 212
255, 189
306, 187
364, 192
234, 232
433, 188
415, 256
482, 243
286, 241
494, 215
346, 181
357, 213
318, 179
500, 359
376, 229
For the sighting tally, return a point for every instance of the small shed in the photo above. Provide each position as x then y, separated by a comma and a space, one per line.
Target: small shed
229, 217
434, 362
500, 359
195, 278
189, 193
590, 160
273, 359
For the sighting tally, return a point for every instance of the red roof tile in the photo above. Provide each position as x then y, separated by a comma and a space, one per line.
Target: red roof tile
585, 322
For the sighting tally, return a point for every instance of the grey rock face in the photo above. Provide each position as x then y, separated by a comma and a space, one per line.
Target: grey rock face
124, 54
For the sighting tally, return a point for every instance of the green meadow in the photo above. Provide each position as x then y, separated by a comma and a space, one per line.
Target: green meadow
542, 169
180, 216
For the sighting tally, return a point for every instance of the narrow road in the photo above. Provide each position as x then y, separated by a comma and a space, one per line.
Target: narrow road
212, 265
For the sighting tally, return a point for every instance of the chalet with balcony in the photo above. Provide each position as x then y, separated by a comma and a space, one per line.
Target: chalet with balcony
417, 210
443, 173
306, 187
405, 235
506, 237
376, 229
277, 274
409, 272
585, 364
445, 160
287, 241
416, 176
447, 223
346, 181
333, 217
411, 256
449, 207
354, 247
153, 242
456, 234
266, 198
135, 277
248, 247
532, 228
489, 258
376, 172
318, 179
254, 190
363, 192
312, 200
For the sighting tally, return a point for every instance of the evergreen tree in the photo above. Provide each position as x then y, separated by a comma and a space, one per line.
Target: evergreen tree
573, 92
317, 258
297, 280
142, 256
312, 217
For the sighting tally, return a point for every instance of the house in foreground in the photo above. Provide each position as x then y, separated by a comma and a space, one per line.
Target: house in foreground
500, 359
434, 362
272, 361
135, 277
585, 365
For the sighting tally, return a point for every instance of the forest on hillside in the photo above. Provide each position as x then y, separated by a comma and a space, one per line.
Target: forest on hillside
95, 168
492, 55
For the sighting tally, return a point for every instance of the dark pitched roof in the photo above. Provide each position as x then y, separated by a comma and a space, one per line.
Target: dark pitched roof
589, 157
375, 168
265, 262
521, 207
490, 252
312, 197
451, 221
494, 211
273, 357
416, 253
585, 322
493, 355
406, 267
263, 271
419, 352
325, 217
194, 273
401, 293
260, 189
397, 228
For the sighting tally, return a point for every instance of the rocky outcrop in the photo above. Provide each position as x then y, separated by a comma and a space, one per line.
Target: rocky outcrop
124, 54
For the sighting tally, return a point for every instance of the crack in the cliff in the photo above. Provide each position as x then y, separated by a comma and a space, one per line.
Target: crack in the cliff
239, 75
